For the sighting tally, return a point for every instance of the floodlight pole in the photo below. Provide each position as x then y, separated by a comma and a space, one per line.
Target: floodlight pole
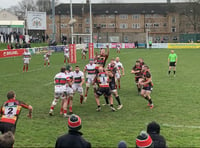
53, 20
72, 26
90, 21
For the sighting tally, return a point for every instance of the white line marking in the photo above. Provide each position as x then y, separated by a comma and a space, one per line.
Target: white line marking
181, 126
48, 83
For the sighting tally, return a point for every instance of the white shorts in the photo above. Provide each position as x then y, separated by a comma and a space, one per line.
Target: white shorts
66, 55
77, 88
89, 81
118, 48
117, 75
68, 91
26, 61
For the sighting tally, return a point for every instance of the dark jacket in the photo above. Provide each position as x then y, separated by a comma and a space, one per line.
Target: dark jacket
73, 139
158, 140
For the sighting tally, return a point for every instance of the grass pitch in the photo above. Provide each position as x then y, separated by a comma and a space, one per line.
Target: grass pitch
176, 101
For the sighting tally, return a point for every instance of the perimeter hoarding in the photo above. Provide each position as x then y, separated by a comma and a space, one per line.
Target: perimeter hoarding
183, 45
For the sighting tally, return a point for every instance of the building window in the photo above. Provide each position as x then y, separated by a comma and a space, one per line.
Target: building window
156, 25
50, 17
63, 25
80, 25
136, 16
103, 25
175, 38
173, 29
87, 20
148, 25
63, 16
103, 16
111, 16
111, 25
95, 25
148, 15
165, 24
173, 19
87, 30
123, 16
123, 26
136, 26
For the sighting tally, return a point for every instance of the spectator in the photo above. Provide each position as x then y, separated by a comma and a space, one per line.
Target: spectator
144, 140
7, 140
122, 144
73, 139
153, 129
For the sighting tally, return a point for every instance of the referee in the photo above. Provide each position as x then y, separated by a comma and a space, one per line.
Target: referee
172, 61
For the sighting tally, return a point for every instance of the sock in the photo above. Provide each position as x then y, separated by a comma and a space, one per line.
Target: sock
146, 98
174, 72
65, 111
139, 89
44, 63
150, 101
118, 100
81, 99
85, 95
26, 68
61, 110
52, 108
64, 60
106, 99
70, 109
169, 72
23, 67
48, 63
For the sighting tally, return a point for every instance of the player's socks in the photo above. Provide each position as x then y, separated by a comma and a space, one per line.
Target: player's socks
51, 108
146, 98
61, 111
118, 100
26, 68
70, 109
139, 90
169, 72
48, 64
45, 64
106, 99
150, 101
65, 61
174, 72
23, 68
81, 99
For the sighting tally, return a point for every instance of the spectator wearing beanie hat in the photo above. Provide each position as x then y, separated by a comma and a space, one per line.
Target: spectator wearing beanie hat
144, 141
73, 139
153, 129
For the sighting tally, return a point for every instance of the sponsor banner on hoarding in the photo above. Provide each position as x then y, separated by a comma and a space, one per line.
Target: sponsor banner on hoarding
36, 20
11, 53
129, 45
91, 50
72, 53
159, 45
183, 45
114, 45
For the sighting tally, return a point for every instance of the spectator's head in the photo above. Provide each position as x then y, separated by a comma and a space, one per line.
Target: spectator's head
144, 140
7, 140
122, 144
153, 127
11, 95
74, 122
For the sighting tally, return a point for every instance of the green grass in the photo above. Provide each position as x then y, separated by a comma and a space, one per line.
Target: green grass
176, 101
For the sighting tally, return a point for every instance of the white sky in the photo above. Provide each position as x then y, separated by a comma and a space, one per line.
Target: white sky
9, 3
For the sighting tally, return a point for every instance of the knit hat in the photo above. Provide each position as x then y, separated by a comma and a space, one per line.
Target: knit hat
122, 144
74, 122
144, 140
153, 127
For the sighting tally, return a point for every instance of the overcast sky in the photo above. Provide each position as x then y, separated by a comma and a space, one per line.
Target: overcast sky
9, 3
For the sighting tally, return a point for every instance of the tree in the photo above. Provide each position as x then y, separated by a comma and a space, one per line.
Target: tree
192, 11
43, 5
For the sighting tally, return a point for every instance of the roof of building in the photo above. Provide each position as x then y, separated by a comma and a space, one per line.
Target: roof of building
132, 8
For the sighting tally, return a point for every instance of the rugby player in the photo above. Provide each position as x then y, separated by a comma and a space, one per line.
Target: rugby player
78, 79
66, 54
120, 69
46, 58
26, 59
147, 85
91, 73
10, 111
172, 61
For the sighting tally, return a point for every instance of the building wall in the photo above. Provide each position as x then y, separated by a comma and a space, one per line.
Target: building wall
128, 27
